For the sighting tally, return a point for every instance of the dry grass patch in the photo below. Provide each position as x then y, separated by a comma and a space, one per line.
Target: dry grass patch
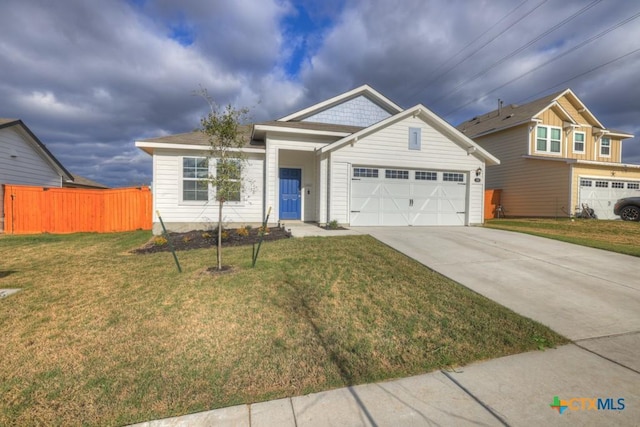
98, 337
615, 236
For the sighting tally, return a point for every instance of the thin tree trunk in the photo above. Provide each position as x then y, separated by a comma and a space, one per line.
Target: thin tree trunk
220, 235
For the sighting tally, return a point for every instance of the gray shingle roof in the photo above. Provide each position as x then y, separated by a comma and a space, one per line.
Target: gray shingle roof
509, 115
198, 138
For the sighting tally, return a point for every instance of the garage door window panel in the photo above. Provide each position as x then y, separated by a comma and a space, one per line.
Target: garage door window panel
452, 177
633, 186
365, 173
396, 174
426, 176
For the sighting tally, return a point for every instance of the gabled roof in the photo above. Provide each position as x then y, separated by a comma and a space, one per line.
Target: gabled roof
82, 182
195, 139
430, 118
38, 146
365, 90
514, 115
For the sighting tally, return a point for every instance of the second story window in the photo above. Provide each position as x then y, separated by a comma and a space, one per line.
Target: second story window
605, 147
578, 142
548, 139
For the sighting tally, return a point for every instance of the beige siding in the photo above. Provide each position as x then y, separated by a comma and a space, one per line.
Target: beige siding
167, 193
529, 187
389, 148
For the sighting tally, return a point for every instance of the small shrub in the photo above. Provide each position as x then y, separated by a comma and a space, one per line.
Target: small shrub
242, 231
225, 235
206, 235
248, 227
263, 230
333, 225
160, 241
186, 239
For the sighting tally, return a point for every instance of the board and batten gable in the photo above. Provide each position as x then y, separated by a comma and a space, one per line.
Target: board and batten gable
389, 147
551, 117
180, 215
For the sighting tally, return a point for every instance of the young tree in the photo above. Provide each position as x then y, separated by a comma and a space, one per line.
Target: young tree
223, 128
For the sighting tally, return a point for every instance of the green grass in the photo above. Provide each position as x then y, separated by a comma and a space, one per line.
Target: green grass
99, 336
615, 236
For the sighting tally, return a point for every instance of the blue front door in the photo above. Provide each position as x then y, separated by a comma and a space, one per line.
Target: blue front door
290, 193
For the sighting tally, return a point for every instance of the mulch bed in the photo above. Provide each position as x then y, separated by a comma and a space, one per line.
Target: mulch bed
200, 239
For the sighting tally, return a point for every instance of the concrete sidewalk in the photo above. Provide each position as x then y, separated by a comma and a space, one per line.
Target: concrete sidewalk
515, 390
590, 296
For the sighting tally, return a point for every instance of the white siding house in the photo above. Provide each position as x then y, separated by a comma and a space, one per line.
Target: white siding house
24, 160
357, 158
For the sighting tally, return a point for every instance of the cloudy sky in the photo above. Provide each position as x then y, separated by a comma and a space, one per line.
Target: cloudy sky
89, 77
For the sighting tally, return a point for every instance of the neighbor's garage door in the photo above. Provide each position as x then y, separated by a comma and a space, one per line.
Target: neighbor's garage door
381, 196
600, 194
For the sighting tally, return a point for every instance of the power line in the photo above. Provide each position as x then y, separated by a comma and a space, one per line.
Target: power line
580, 75
473, 41
555, 58
520, 49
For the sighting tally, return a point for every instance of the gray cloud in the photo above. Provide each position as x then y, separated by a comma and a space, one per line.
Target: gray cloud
91, 77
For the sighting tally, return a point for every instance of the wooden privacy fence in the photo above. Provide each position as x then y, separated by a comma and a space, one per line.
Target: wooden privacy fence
29, 210
491, 203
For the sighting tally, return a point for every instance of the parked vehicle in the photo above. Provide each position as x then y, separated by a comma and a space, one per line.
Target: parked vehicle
628, 208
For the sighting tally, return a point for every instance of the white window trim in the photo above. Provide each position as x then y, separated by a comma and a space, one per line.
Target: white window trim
182, 179
211, 193
600, 147
212, 190
584, 142
548, 139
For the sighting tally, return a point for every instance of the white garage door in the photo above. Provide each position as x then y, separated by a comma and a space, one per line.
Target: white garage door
386, 196
600, 194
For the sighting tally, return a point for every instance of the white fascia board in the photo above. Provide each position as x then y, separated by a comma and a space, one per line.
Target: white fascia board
555, 103
430, 118
606, 165
337, 99
593, 117
620, 134
144, 144
603, 165
283, 129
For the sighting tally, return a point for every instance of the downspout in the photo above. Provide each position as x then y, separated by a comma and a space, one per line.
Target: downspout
328, 198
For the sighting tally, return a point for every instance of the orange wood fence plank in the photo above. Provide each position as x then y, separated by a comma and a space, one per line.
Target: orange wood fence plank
491, 202
31, 210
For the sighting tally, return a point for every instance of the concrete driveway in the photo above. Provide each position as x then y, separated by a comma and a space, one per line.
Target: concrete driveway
580, 292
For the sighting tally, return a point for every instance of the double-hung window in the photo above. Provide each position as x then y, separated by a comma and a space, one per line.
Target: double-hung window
548, 139
578, 142
195, 174
228, 179
605, 147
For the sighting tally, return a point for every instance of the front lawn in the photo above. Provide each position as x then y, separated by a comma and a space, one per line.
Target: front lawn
99, 336
616, 236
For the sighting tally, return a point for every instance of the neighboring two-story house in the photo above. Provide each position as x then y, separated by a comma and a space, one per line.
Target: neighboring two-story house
555, 157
